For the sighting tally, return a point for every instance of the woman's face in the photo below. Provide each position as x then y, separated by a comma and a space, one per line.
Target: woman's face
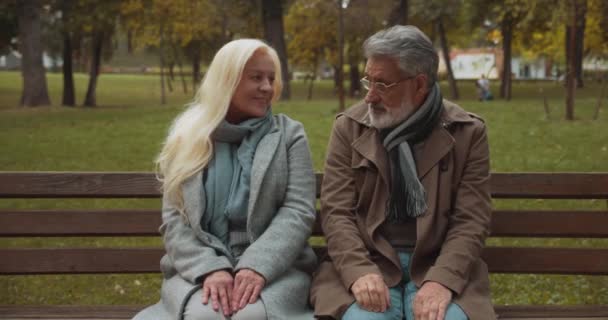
255, 89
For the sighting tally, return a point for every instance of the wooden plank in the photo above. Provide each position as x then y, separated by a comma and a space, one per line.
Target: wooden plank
80, 260
550, 185
547, 260
144, 260
540, 224
128, 311
144, 184
78, 185
95, 223
69, 312
538, 260
89, 223
552, 311
545, 223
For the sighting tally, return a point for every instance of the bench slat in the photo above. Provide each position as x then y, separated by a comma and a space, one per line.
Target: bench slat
83, 223
553, 223
144, 185
547, 260
78, 185
80, 260
95, 223
146, 260
550, 185
128, 311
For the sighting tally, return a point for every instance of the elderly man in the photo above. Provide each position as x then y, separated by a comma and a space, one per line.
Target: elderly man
405, 202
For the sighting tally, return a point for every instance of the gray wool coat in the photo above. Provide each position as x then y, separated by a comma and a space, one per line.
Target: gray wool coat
280, 216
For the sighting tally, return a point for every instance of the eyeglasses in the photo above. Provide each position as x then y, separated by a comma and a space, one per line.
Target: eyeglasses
380, 87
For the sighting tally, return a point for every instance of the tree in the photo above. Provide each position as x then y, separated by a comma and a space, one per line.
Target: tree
309, 25
575, 30
35, 92
440, 13
9, 26
99, 26
399, 14
272, 18
69, 92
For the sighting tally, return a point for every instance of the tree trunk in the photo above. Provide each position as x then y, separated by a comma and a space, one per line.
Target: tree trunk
272, 19
446, 57
68, 98
399, 14
355, 85
507, 37
178, 59
310, 86
570, 62
90, 98
34, 92
340, 55
163, 98
581, 20
194, 53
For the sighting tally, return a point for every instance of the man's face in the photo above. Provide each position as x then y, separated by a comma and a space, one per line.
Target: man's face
397, 102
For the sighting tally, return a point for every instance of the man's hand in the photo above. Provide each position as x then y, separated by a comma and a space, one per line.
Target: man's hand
431, 301
247, 287
371, 293
218, 286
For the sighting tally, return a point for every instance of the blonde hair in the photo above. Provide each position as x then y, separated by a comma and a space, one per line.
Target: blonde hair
189, 147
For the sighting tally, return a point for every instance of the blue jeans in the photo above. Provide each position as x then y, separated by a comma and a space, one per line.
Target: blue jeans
402, 298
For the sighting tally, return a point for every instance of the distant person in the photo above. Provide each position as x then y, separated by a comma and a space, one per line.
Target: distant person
238, 198
405, 201
483, 89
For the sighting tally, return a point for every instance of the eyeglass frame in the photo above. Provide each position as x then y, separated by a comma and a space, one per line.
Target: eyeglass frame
367, 84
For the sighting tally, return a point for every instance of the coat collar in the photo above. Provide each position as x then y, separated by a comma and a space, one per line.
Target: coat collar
427, 153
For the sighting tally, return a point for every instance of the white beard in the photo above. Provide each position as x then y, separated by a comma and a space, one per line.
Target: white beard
382, 117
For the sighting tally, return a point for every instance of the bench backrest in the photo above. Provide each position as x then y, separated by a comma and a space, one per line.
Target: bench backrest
129, 222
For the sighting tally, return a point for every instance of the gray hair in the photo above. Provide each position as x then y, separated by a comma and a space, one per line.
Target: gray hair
410, 46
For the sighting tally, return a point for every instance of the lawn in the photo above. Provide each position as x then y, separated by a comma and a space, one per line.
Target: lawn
125, 132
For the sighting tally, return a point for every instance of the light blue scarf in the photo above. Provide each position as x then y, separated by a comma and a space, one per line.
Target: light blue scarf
228, 175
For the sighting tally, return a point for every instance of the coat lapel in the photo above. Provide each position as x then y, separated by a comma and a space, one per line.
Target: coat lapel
194, 202
369, 146
435, 147
264, 154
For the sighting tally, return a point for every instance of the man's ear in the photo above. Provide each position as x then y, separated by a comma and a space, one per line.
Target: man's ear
422, 88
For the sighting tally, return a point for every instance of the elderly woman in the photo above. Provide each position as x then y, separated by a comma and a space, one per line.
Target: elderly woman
238, 198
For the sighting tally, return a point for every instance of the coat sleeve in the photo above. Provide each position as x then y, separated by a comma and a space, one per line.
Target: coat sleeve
469, 221
191, 257
348, 252
278, 247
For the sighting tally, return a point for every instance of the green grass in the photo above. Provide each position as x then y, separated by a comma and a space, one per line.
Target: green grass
125, 133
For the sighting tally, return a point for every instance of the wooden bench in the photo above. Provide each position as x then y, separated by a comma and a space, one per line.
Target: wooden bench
110, 223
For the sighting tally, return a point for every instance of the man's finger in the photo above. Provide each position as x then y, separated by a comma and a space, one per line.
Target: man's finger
387, 294
443, 306
375, 300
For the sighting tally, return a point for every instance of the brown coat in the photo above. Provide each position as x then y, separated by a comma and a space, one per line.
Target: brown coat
453, 165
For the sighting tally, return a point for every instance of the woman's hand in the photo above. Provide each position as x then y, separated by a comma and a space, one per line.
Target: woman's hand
247, 287
218, 286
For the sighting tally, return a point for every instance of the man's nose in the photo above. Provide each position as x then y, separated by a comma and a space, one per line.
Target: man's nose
372, 96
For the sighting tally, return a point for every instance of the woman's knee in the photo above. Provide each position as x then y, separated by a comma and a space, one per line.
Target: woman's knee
254, 311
